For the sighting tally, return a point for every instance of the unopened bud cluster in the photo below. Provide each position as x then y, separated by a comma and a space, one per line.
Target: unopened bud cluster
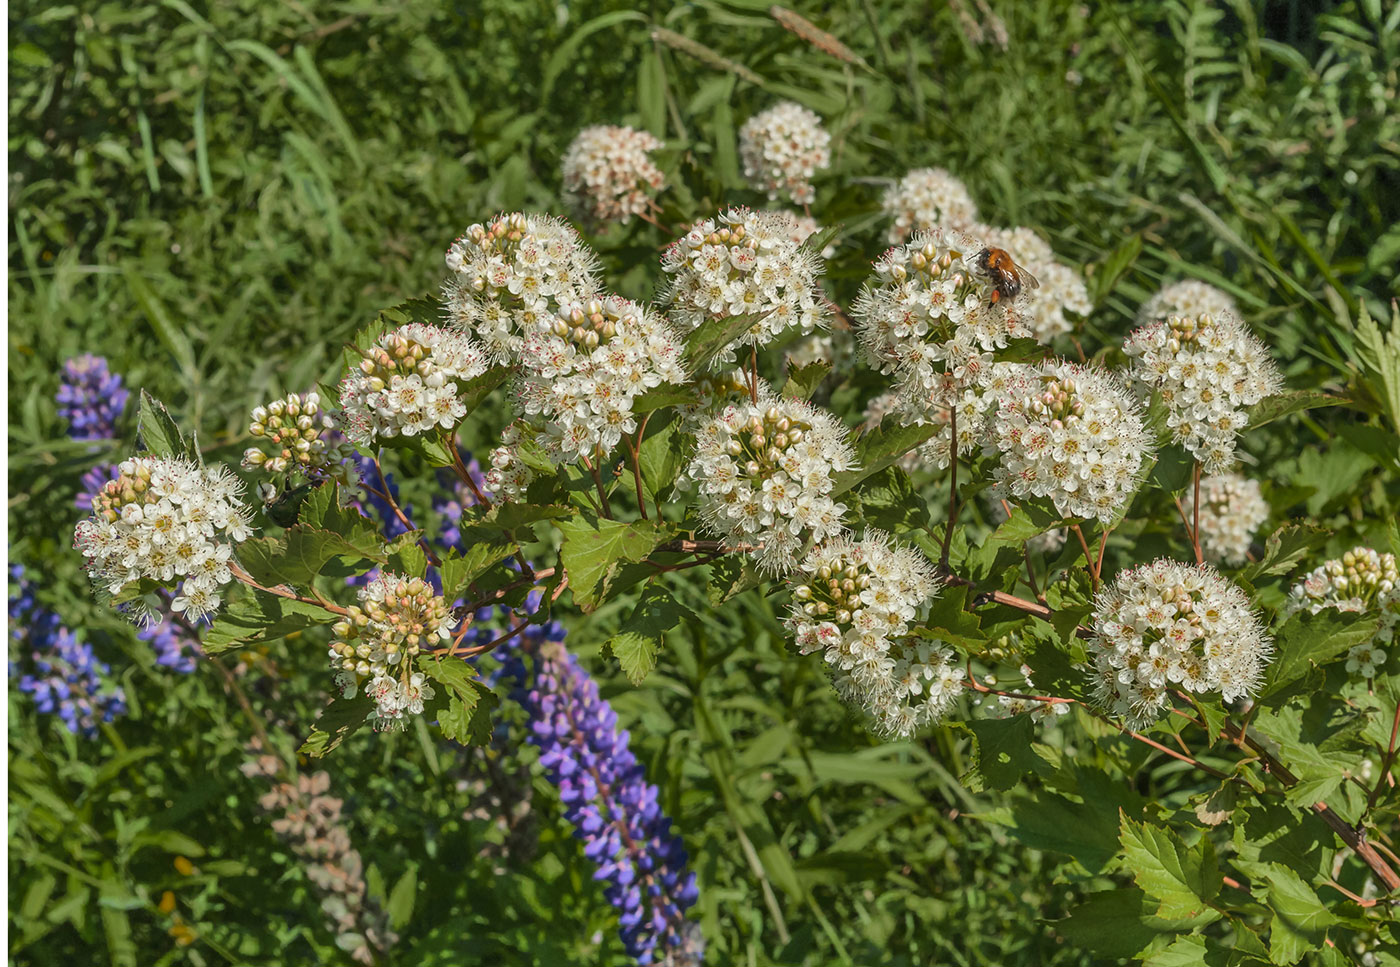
583, 370
1363, 581
1189, 298
396, 618
511, 274
608, 175
166, 520
745, 263
926, 199
1209, 370
407, 383
1168, 625
1232, 508
1077, 438
1061, 288
856, 602
295, 435
782, 149
509, 475
764, 473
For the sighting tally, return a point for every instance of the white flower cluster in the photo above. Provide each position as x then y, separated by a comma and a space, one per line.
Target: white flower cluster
1188, 298
745, 262
607, 172
804, 227
782, 148
1232, 508
583, 370
764, 473
376, 642
300, 435
166, 520
407, 383
1075, 437
1061, 287
856, 602
1169, 625
925, 199
928, 317
510, 475
1209, 370
1362, 581
512, 273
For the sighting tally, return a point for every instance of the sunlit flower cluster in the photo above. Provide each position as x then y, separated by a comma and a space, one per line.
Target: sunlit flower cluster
1188, 298
295, 434
582, 374
764, 473
782, 149
925, 199
928, 317
166, 520
1061, 288
407, 383
745, 263
608, 174
1232, 508
510, 474
1169, 625
376, 642
1363, 581
1074, 436
856, 602
1209, 370
513, 273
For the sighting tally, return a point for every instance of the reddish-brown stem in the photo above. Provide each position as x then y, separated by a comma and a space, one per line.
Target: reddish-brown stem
1196, 511
1359, 901
1088, 558
1026, 555
464, 474
474, 650
598, 482
952, 489
635, 449
1386, 762
282, 592
1103, 547
388, 497
753, 373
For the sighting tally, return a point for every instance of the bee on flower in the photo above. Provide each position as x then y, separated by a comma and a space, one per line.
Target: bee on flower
1062, 289
782, 148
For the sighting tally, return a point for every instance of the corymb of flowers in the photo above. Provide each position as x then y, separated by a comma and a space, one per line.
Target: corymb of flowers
1167, 625
745, 263
167, 521
926, 199
378, 640
857, 602
1361, 581
296, 435
608, 173
1232, 508
764, 471
1209, 370
782, 148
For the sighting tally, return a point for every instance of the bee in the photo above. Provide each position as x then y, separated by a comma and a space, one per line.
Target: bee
1007, 277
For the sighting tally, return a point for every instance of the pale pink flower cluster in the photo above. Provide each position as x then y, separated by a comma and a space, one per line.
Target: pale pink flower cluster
608, 173
1232, 508
1169, 625
782, 149
857, 603
926, 199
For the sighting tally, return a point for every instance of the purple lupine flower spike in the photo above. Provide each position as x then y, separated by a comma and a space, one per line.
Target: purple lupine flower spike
93, 481
91, 397
457, 499
67, 678
175, 647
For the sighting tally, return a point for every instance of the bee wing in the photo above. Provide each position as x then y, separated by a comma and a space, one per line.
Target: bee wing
1028, 281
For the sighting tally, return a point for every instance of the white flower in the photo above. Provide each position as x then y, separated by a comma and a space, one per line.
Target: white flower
512, 273
1168, 625
1061, 287
925, 199
745, 262
296, 435
857, 602
607, 172
377, 640
1073, 435
1209, 370
782, 148
1232, 508
764, 473
1188, 298
407, 383
1361, 581
166, 520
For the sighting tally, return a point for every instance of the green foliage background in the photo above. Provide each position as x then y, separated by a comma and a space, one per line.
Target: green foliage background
217, 195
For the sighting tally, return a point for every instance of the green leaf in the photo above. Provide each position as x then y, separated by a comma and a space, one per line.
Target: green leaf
1182, 879
341, 718
473, 392
1114, 266
705, 343
731, 575
459, 570
803, 381
1284, 549
661, 457
1192, 951
950, 621
1308, 640
1004, 753
159, 434
1273, 407
1300, 920
464, 703
1085, 831
593, 549
1113, 923
880, 448
259, 617
400, 905
1026, 521
406, 556
639, 640
659, 397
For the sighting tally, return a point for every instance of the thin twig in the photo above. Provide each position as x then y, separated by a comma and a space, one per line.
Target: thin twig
598, 481
283, 592
1384, 777
387, 495
952, 490
1196, 511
